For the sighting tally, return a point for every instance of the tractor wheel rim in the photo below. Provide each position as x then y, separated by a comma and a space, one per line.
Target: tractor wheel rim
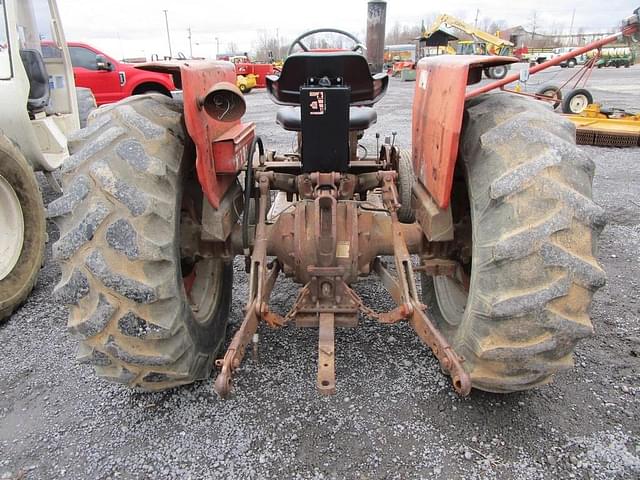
578, 103
202, 297
12, 232
452, 299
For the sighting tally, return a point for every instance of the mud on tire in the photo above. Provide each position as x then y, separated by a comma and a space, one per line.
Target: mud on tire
127, 187
533, 267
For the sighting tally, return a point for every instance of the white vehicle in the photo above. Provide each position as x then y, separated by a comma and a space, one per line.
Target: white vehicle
39, 108
571, 62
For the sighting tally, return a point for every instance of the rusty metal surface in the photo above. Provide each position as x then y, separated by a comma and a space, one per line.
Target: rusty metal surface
230, 149
376, 23
326, 355
358, 232
261, 282
437, 117
403, 289
436, 222
198, 78
325, 242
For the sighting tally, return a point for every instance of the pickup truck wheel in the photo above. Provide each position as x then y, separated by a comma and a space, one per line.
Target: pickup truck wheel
150, 311
525, 235
22, 228
571, 63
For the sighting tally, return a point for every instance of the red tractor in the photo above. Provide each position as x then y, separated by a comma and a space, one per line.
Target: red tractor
489, 221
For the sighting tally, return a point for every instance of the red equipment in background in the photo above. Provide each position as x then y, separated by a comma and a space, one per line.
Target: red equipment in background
244, 66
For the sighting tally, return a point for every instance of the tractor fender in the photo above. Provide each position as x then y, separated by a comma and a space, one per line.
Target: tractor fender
221, 144
438, 109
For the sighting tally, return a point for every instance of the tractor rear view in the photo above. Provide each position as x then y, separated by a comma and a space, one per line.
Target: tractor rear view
488, 222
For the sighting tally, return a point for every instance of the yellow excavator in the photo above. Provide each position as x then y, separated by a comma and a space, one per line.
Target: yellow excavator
482, 43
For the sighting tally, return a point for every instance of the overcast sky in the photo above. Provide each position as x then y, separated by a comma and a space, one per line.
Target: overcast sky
137, 27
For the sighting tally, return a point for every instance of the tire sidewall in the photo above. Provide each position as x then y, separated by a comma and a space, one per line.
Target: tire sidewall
16, 170
566, 101
207, 335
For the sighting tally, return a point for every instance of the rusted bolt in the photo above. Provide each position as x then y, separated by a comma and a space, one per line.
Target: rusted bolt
326, 289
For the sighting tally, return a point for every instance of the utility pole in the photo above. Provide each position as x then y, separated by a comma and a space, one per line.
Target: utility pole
573, 16
166, 22
533, 28
190, 44
475, 25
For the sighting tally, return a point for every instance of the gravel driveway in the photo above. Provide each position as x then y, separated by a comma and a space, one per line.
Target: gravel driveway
394, 414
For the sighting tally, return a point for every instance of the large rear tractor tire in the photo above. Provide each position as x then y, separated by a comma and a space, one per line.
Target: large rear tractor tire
526, 230
151, 312
22, 228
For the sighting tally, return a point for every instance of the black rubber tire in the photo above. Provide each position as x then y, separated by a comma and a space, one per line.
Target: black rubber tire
406, 179
499, 72
17, 285
119, 248
534, 229
548, 91
566, 101
243, 88
571, 63
86, 104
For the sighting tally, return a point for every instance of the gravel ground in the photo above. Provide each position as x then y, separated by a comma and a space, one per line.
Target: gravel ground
394, 415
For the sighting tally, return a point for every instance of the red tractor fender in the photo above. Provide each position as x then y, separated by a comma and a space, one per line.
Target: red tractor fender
221, 144
438, 109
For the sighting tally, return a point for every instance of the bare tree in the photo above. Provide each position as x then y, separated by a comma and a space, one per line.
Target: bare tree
400, 34
269, 47
232, 48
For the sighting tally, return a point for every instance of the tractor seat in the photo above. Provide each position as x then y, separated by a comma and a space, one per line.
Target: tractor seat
350, 67
39, 91
360, 118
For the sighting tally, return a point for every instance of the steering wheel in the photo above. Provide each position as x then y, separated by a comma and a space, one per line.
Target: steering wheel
298, 41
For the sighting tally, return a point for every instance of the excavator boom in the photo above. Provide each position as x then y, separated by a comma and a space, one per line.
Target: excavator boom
477, 34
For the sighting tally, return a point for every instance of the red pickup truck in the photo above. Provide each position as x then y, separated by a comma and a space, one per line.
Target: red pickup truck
110, 80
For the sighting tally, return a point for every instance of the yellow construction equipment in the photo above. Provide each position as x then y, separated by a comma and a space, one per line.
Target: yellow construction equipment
606, 127
482, 43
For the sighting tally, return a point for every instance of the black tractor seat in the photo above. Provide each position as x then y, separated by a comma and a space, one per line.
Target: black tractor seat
327, 97
39, 90
351, 67
360, 118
